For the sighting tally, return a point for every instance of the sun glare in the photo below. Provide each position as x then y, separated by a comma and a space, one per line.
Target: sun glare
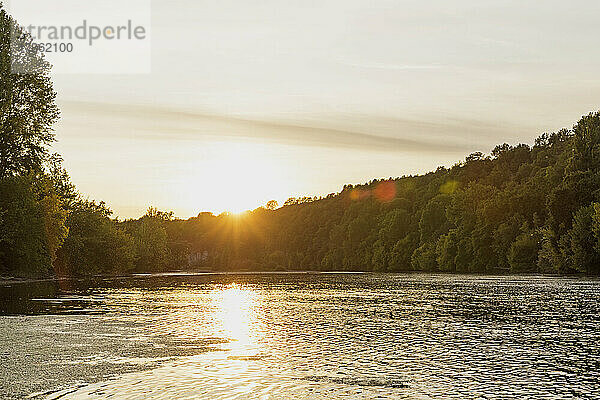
233, 177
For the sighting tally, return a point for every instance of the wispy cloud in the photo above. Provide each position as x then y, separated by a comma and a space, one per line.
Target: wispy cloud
392, 67
391, 135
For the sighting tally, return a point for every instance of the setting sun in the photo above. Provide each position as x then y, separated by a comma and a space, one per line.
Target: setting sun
234, 177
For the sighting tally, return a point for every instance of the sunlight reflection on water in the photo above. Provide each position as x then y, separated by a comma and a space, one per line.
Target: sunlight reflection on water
235, 317
304, 337
226, 313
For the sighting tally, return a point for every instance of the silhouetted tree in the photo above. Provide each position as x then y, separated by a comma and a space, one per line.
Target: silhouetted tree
27, 101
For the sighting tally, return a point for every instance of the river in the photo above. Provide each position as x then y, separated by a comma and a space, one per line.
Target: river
301, 336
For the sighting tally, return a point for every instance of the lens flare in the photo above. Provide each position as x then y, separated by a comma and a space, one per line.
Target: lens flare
385, 191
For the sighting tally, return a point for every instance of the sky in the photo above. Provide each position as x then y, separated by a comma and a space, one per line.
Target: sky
248, 101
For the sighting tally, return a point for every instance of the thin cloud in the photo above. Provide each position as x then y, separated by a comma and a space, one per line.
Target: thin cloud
158, 123
397, 67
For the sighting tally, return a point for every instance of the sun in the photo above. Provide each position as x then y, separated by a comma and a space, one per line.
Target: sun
234, 177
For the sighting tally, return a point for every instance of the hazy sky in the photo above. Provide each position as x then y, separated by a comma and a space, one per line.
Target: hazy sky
256, 100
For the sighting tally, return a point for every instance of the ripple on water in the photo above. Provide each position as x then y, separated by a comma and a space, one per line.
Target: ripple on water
305, 336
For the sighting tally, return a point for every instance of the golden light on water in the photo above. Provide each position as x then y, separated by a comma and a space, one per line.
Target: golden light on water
227, 312
236, 316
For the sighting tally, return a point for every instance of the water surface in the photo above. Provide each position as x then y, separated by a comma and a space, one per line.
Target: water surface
304, 336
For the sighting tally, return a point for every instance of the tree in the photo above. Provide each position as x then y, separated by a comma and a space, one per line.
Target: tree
586, 144
151, 241
31, 227
424, 258
446, 251
400, 256
523, 253
291, 201
272, 205
95, 244
27, 101
433, 220
550, 259
583, 243
519, 210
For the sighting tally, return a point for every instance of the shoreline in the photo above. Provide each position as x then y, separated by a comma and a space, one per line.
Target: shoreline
6, 281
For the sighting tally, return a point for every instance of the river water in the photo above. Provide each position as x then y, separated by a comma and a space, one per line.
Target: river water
301, 336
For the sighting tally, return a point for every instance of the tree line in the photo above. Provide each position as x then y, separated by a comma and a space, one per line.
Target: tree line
520, 209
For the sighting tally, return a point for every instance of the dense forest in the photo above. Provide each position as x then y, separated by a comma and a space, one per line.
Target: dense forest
520, 209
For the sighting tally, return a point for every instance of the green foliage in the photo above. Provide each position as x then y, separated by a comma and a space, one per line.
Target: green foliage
400, 255
583, 251
550, 259
31, 226
523, 253
447, 251
424, 258
586, 144
433, 220
95, 245
150, 238
27, 102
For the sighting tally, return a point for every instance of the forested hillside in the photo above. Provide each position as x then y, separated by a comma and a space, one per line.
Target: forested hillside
519, 209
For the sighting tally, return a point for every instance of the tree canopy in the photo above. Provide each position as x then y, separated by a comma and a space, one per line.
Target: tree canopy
27, 101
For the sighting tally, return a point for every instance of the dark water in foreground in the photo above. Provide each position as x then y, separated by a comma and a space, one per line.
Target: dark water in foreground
302, 336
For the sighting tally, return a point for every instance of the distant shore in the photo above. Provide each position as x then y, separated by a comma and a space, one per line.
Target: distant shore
7, 280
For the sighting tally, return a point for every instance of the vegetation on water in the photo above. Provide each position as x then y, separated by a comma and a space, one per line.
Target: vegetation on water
520, 209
